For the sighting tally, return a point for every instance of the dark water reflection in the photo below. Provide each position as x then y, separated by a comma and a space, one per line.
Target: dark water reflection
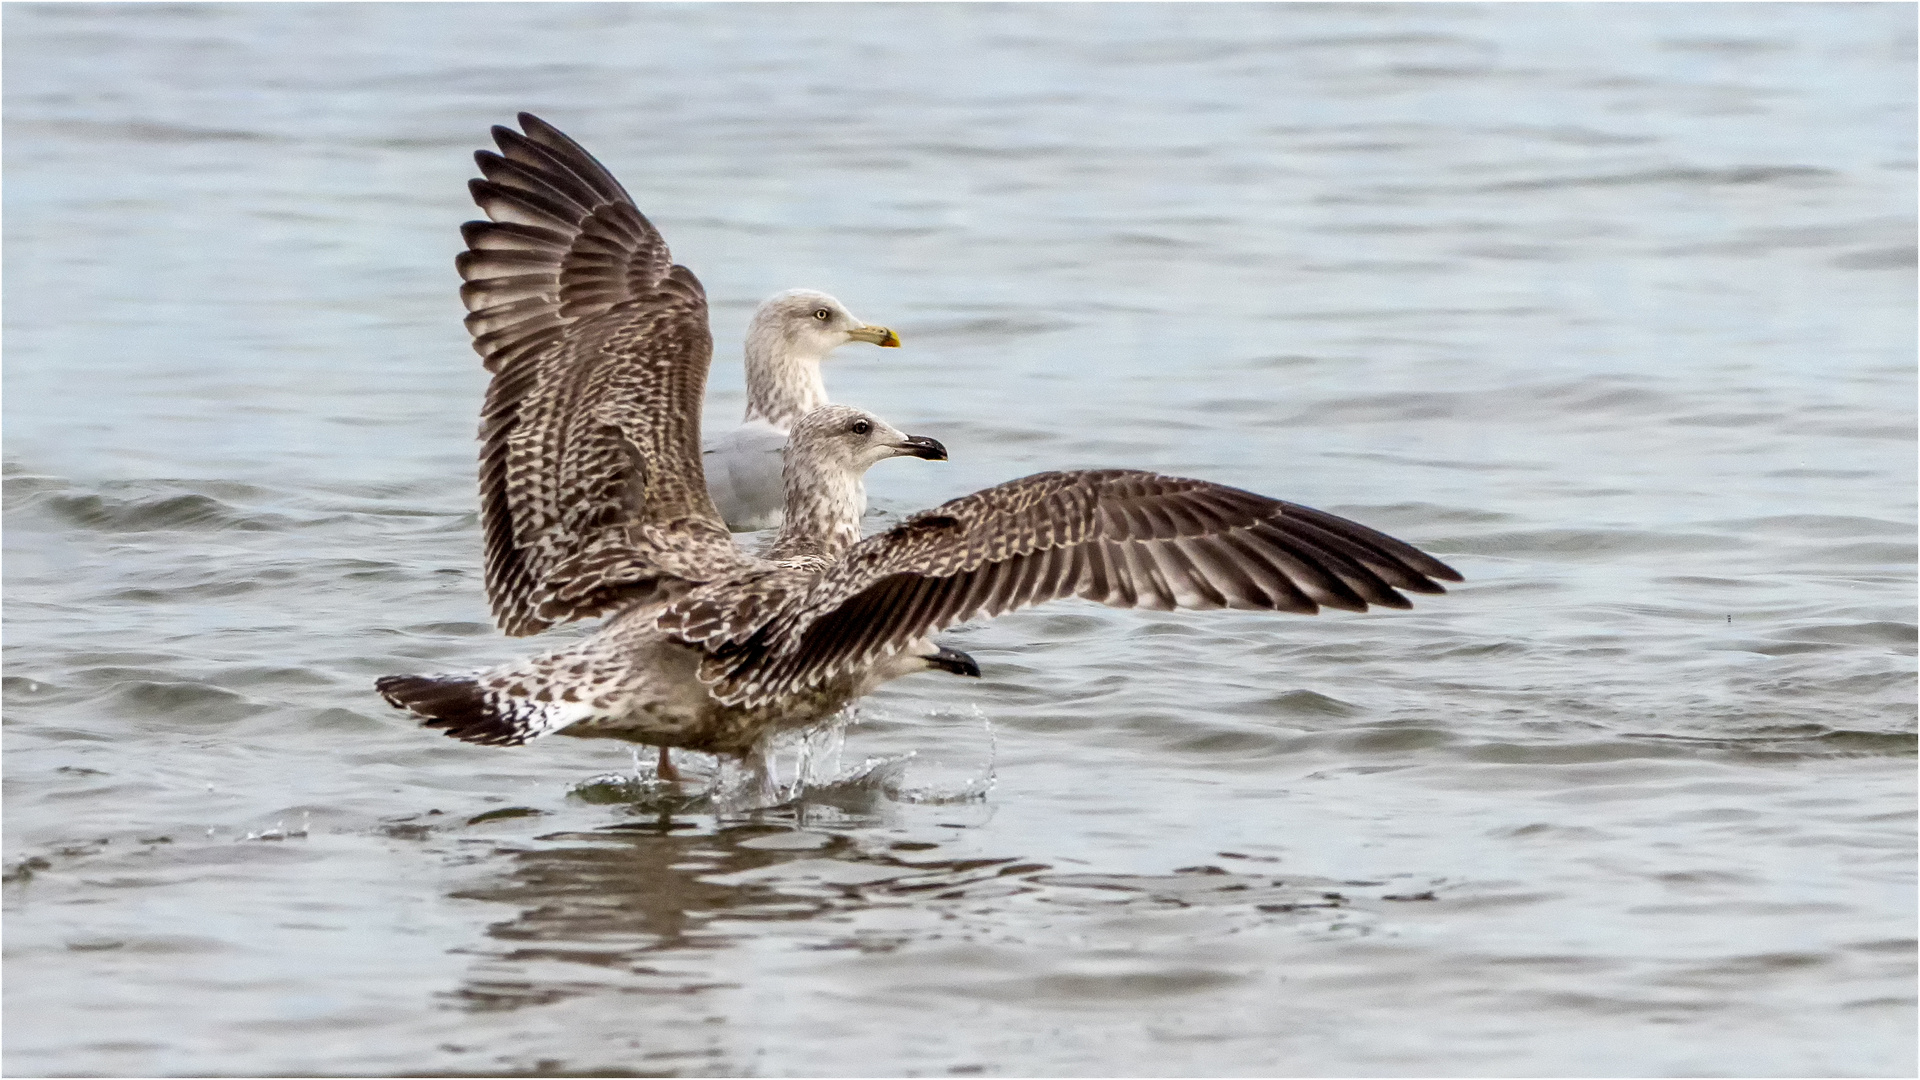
640, 894
642, 907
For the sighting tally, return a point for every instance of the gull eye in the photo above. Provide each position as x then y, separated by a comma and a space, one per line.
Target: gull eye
860, 427
823, 314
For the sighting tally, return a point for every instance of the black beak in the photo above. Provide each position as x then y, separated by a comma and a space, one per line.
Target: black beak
955, 661
922, 447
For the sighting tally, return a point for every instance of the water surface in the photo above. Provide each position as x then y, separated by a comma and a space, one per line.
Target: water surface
1612, 307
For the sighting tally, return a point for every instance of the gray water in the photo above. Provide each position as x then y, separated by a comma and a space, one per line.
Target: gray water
1612, 307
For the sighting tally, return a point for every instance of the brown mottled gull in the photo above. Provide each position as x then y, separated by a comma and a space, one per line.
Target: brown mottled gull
714, 649
596, 502
564, 286
636, 680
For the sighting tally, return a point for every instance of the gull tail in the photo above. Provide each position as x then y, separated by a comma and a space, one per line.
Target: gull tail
456, 703
497, 708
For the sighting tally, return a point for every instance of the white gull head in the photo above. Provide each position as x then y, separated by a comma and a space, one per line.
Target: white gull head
791, 333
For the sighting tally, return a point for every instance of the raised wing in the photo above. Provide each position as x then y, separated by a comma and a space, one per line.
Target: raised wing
1121, 537
590, 478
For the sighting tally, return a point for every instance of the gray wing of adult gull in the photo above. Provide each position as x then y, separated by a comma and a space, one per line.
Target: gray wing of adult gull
744, 475
1121, 537
590, 476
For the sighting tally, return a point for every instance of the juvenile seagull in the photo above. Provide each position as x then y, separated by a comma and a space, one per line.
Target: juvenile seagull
636, 680
554, 282
596, 503
713, 649
790, 335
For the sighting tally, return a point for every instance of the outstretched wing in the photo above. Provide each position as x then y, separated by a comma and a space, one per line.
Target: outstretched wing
1121, 537
590, 478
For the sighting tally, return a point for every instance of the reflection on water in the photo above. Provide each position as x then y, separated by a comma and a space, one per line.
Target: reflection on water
622, 904
620, 908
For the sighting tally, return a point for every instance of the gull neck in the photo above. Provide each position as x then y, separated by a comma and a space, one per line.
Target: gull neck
783, 383
824, 508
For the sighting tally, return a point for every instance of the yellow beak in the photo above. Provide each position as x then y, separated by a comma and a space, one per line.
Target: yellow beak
879, 335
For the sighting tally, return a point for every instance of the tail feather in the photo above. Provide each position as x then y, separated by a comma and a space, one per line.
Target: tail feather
588, 681
463, 707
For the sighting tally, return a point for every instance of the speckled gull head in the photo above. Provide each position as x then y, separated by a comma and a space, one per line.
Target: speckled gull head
826, 461
844, 440
791, 333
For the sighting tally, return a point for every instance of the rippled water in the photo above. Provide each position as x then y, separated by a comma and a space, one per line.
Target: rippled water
1610, 306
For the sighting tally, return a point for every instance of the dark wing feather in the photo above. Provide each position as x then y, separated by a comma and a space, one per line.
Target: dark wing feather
1120, 537
591, 485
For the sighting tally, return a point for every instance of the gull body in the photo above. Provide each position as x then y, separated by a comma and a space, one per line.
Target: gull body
733, 648
637, 681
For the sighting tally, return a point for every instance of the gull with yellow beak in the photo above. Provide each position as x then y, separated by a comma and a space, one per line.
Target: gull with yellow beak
791, 334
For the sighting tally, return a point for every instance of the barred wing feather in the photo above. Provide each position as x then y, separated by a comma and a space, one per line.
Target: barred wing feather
1120, 537
590, 475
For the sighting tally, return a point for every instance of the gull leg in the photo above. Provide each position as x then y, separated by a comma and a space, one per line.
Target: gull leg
666, 771
761, 764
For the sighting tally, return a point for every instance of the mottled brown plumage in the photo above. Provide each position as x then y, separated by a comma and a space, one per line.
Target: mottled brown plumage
1119, 537
590, 469
736, 649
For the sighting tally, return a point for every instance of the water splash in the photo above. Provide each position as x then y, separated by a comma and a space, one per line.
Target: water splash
280, 830
800, 770
642, 790
979, 780
818, 774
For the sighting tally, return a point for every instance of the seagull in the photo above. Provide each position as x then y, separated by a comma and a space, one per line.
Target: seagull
534, 276
595, 503
790, 335
713, 649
